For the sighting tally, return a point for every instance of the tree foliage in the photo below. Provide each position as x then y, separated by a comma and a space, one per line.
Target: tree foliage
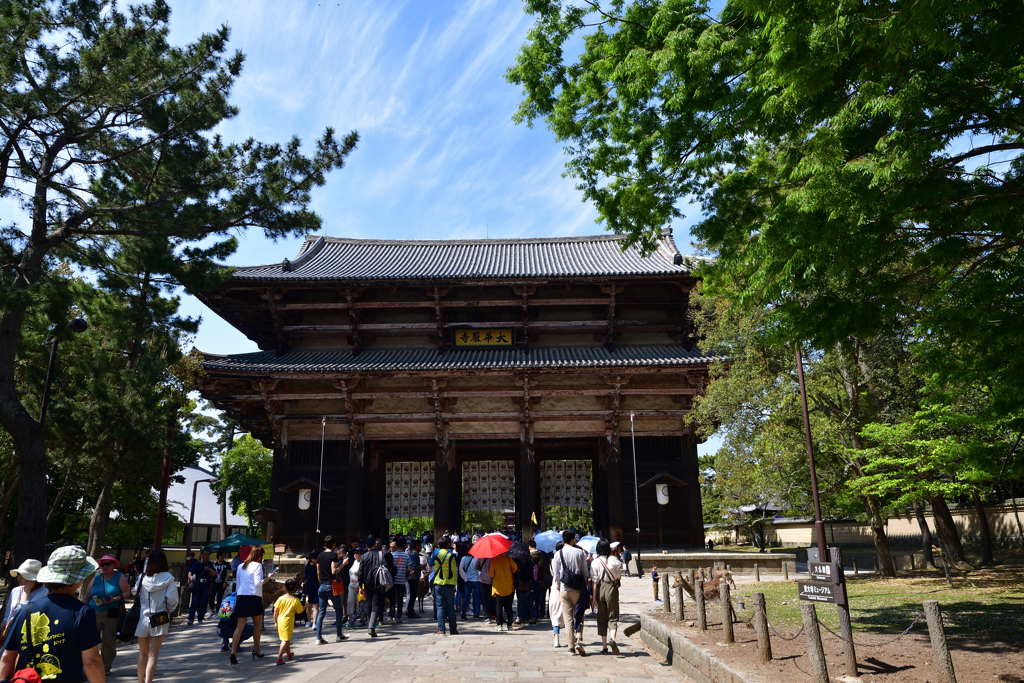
244, 477
107, 144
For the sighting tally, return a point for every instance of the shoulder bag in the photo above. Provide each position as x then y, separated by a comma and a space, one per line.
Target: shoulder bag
616, 581
158, 618
130, 621
568, 577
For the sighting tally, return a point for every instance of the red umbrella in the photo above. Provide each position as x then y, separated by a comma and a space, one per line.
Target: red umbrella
490, 545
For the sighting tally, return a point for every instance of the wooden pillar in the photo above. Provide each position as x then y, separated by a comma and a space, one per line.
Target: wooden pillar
526, 485
442, 480
616, 483
356, 480
691, 471
376, 503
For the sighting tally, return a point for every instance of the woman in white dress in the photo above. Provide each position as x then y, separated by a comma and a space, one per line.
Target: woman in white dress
157, 593
555, 606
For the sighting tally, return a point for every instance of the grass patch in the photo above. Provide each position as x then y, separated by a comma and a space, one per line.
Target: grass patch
993, 610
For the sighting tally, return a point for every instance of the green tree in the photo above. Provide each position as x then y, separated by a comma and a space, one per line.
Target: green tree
244, 477
106, 132
853, 162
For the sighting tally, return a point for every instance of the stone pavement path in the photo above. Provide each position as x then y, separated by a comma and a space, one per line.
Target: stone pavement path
412, 652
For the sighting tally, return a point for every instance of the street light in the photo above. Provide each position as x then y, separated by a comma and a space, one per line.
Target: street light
636, 498
77, 326
192, 517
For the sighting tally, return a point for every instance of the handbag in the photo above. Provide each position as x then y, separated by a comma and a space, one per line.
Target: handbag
129, 620
569, 578
158, 618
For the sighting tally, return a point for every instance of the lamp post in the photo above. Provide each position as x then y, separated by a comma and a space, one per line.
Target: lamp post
819, 525
192, 516
77, 326
636, 498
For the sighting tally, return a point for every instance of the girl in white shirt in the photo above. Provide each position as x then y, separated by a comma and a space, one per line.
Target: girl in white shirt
606, 571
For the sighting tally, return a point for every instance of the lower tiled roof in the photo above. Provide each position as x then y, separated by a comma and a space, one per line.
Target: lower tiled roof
397, 360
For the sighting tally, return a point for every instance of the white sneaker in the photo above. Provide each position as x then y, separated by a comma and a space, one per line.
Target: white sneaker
557, 644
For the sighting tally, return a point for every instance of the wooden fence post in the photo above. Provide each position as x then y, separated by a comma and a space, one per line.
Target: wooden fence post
815, 652
938, 636
785, 570
764, 641
757, 573
856, 570
723, 592
678, 602
875, 558
702, 616
666, 591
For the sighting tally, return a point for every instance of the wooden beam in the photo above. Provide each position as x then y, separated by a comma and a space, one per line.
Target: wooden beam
474, 392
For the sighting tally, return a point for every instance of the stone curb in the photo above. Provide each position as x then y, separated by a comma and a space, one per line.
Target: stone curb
688, 657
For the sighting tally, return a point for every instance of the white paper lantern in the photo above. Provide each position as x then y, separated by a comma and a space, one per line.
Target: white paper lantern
662, 494
305, 496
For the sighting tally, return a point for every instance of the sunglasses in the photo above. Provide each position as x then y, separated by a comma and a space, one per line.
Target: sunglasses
106, 564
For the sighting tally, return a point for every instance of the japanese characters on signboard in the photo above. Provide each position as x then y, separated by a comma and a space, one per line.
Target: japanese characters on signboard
817, 591
488, 337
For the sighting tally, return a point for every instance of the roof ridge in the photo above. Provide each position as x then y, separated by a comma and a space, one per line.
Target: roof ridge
507, 240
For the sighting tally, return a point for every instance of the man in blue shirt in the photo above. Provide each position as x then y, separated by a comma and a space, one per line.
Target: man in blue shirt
57, 635
201, 575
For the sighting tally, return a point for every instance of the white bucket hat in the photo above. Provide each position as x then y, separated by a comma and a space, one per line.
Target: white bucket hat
29, 569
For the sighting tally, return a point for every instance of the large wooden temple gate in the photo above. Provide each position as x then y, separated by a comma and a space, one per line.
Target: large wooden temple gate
442, 376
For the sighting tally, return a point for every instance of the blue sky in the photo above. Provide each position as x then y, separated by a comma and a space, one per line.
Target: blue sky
424, 85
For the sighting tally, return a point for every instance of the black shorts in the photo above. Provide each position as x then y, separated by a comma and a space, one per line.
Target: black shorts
248, 606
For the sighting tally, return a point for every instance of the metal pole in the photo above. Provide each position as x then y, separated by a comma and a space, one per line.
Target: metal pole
819, 526
636, 498
49, 378
192, 516
161, 510
320, 486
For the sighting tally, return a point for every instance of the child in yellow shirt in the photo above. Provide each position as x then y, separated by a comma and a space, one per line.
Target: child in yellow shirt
285, 609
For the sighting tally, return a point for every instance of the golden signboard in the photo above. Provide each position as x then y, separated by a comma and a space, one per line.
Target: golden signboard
474, 338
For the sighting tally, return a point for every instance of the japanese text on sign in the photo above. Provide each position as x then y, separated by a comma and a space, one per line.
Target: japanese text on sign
496, 337
815, 591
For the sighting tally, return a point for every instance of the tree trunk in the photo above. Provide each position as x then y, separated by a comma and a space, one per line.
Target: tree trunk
100, 516
948, 536
224, 498
926, 536
885, 562
6, 505
59, 498
986, 531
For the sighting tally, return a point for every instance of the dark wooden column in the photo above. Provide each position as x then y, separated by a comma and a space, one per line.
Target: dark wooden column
376, 503
356, 480
691, 475
527, 495
617, 485
443, 475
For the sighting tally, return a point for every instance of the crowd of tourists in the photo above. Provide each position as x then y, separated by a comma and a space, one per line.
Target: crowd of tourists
369, 584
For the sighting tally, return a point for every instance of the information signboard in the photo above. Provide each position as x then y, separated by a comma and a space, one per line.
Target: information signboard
825, 571
818, 591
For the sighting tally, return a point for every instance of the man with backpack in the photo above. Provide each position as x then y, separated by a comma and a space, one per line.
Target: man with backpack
376, 577
414, 575
569, 568
445, 570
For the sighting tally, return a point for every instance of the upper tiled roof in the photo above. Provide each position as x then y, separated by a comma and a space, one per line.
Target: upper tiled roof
347, 260
394, 360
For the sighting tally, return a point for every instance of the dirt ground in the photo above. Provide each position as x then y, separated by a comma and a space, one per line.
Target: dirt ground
880, 659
